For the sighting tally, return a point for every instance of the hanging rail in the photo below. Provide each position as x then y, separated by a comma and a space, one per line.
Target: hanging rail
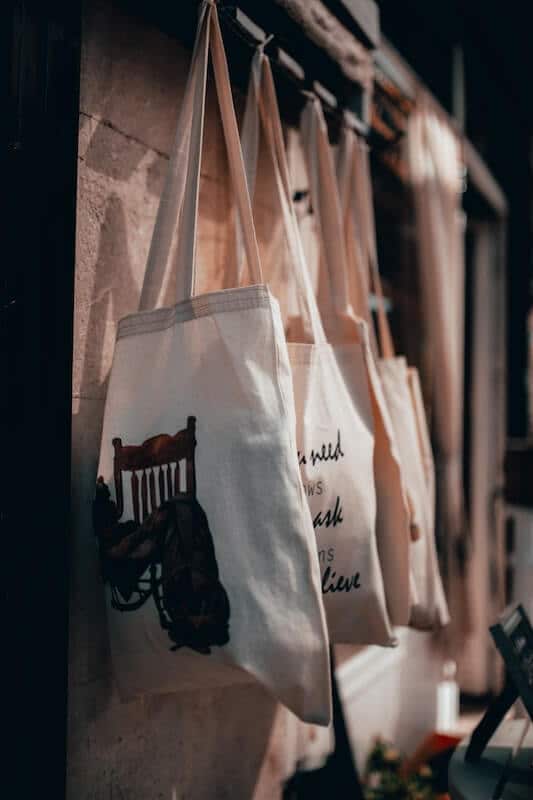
323, 46
301, 60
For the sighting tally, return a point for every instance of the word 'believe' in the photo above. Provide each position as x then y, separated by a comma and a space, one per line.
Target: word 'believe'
342, 584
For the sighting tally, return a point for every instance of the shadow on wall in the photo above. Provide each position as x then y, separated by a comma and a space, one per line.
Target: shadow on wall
112, 295
107, 155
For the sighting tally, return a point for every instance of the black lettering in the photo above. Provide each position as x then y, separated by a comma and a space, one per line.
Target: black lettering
315, 487
342, 585
330, 518
326, 452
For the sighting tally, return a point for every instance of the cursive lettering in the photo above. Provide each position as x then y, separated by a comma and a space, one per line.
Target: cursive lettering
330, 518
342, 585
326, 452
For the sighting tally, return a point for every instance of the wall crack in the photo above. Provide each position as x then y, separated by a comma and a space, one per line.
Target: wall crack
108, 124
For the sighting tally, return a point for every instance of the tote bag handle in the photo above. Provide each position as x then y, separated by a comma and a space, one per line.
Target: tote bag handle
250, 135
362, 184
179, 199
333, 286
262, 107
363, 194
357, 278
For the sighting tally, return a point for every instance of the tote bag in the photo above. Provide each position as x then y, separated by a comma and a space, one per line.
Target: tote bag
434, 590
314, 743
334, 432
351, 335
208, 546
400, 383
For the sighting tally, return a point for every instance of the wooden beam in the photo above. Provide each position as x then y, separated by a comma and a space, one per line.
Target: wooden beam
324, 28
359, 16
482, 178
396, 72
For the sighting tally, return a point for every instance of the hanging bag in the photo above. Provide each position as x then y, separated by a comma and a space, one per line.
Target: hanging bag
334, 435
437, 614
206, 541
314, 744
353, 352
399, 382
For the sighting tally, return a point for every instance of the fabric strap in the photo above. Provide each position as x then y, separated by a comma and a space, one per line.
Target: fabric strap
333, 286
357, 278
262, 107
250, 136
179, 199
363, 187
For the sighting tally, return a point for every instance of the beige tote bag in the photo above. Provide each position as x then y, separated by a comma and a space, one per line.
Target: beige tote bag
208, 545
434, 590
401, 389
334, 432
314, 744
343, 298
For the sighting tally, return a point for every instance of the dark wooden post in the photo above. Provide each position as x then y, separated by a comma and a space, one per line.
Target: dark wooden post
191, 464
43, 55
117, 474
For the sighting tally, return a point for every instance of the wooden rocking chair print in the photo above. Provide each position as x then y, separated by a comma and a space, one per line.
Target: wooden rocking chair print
163, 453
166, 551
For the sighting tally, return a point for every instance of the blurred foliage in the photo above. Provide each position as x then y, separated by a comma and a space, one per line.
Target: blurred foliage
384, 778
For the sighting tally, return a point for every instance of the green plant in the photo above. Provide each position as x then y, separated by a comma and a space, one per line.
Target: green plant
384, 779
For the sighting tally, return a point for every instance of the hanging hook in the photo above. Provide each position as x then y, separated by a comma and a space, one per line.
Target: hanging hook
266, 41
310, 89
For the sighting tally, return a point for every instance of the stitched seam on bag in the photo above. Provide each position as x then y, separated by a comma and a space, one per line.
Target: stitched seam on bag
281, 396
164, 318
305, 511
305, 514
348, 351
305, 353
287, 415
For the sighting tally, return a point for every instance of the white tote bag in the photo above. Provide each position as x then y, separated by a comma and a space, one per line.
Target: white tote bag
314, 744
352, 346
402, 390
436, 613
208, 551
334, 432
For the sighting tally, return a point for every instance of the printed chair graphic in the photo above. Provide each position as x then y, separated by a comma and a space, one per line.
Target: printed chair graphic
166, 551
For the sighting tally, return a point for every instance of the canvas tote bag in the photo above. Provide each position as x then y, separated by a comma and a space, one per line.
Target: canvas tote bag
334, 434
314, 743
352, 343
208, 546
399, 382
435, 589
